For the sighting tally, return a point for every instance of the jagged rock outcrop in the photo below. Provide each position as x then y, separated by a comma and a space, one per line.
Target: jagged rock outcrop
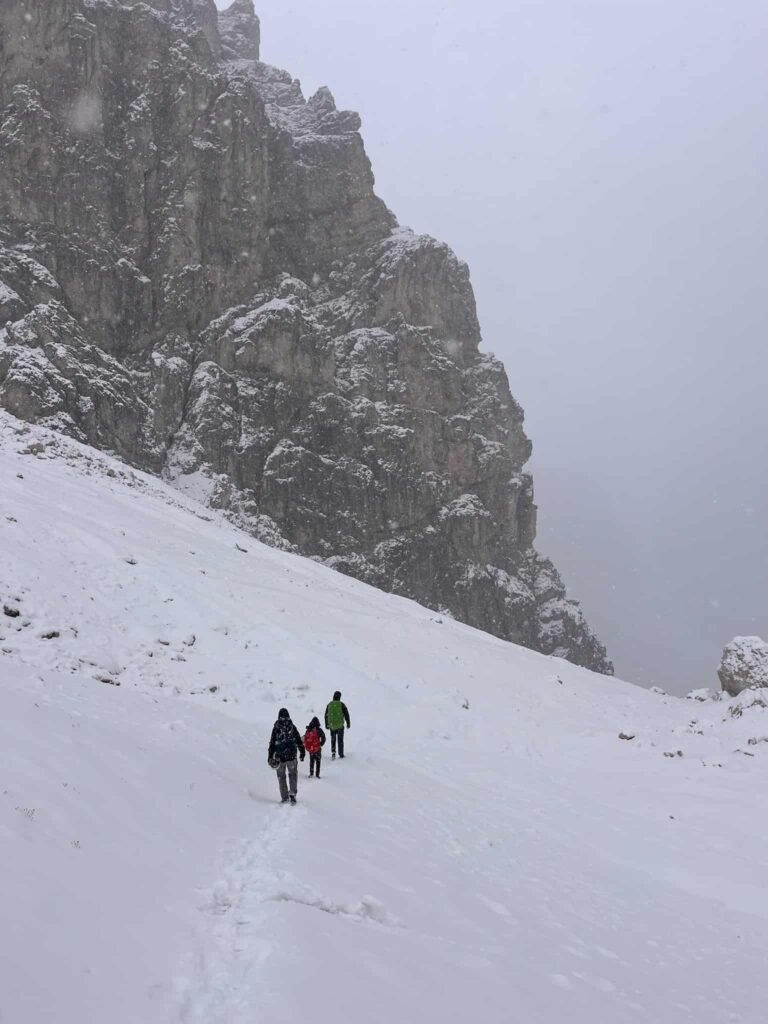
196, 273
744, 664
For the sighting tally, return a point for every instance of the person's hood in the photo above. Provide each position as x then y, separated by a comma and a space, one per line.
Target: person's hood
283, 713
337, 695
315, 723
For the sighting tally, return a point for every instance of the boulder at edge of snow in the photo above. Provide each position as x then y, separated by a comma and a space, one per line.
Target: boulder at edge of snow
744, 664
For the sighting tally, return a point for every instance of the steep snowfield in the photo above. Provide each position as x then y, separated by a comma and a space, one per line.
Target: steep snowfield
490, 849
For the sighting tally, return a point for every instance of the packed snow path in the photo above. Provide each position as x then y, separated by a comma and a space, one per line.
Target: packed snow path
489, 846
475, 905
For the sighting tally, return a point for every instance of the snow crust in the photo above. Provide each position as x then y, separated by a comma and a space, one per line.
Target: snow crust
510, 836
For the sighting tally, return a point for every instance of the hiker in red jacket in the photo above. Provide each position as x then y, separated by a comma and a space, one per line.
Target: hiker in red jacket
314, 741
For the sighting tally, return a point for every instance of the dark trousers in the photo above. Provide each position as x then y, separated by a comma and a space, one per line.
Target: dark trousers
314, 764
337, 738
292, 768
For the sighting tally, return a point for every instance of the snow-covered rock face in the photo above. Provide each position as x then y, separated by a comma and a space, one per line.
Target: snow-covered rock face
196, 274
744, 664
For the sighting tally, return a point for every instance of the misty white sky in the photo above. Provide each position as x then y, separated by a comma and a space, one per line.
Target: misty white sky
601, 166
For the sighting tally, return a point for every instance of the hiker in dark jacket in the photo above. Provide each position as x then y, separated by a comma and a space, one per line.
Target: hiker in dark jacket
336, 715
284, 744
314, 741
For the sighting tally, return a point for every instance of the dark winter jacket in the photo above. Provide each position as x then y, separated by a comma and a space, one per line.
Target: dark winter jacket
336, 714
285, 741
312, 728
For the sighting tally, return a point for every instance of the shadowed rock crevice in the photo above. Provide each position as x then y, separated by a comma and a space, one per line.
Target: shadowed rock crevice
196, 273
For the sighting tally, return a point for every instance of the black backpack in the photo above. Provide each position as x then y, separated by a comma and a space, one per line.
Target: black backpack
285, 740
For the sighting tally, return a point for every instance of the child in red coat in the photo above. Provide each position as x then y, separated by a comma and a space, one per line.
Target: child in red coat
314, 740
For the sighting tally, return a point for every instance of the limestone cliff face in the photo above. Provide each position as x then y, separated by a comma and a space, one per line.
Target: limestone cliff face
196, 274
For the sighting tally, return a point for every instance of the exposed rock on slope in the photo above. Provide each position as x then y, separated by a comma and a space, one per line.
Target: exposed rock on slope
744, 664
196, 274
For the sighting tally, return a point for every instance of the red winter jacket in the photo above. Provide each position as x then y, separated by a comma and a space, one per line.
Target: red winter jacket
314, 738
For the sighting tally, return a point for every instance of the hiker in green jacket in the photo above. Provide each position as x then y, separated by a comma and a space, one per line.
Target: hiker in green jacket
336, 716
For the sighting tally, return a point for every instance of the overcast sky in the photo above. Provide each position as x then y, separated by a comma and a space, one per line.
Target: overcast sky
601, 165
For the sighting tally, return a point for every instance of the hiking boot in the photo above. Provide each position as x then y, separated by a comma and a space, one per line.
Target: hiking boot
292, 798
333, 757
283, 799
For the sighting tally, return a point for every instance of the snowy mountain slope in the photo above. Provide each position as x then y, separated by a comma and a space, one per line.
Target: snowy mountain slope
490, 846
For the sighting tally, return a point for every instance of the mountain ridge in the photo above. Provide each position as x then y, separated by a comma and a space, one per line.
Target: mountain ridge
198, 276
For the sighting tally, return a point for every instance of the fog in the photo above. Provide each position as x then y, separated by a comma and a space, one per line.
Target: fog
601, 166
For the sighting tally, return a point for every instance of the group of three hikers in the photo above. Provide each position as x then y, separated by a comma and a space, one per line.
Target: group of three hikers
286, 745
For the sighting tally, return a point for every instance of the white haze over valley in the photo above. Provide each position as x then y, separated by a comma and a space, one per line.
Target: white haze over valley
601, 167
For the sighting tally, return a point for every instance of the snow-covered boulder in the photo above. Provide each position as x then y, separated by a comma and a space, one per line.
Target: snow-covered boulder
744, 664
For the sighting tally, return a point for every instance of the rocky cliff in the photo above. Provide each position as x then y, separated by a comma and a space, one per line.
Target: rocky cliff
196, 274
